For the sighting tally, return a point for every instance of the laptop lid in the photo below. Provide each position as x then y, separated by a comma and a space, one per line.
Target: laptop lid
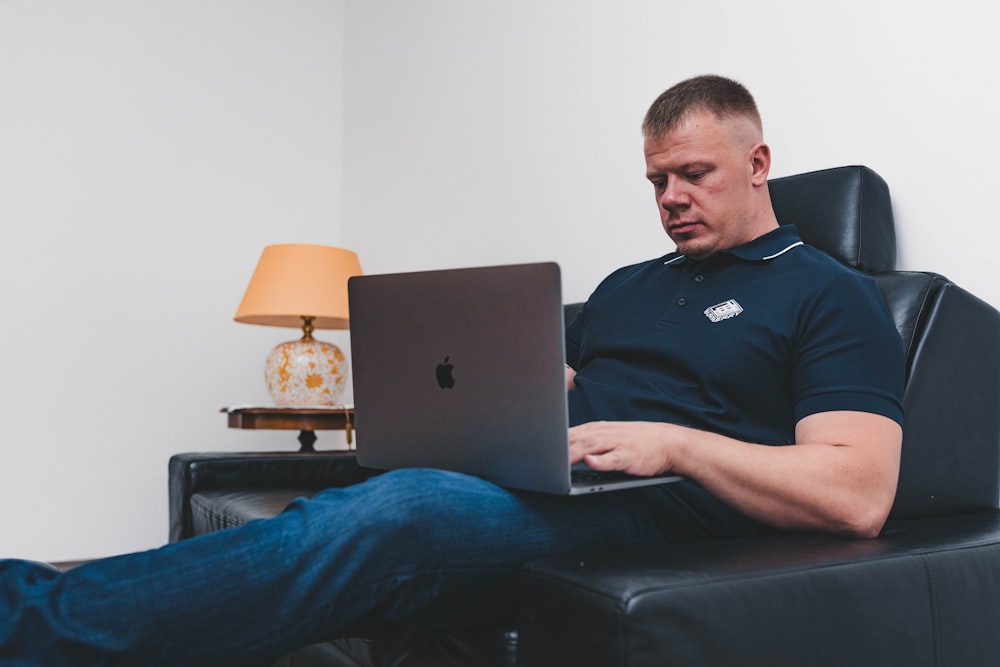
463, 369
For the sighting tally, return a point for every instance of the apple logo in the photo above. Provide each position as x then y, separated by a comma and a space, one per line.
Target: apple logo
445, 379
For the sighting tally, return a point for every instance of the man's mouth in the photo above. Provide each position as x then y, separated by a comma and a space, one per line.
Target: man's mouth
681, 228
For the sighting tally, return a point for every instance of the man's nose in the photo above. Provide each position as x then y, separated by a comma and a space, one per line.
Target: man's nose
674, 196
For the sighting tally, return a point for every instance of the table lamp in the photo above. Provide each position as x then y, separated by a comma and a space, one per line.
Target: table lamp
302, 286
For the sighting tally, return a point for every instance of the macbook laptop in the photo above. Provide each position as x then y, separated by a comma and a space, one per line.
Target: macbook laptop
463, 370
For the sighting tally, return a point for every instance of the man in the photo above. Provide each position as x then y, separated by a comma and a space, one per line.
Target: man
709, 172
779, 407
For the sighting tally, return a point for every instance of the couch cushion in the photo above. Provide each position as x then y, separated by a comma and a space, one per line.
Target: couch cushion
922, 594
191, 473
217, 509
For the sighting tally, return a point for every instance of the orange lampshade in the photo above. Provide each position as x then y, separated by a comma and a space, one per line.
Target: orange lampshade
295, 280
298, 285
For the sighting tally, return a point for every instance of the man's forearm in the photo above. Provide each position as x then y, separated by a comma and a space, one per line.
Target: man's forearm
807, 486
840, 477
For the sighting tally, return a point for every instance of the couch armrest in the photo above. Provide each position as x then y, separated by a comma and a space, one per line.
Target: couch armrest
922, 594
950, 454
195, 472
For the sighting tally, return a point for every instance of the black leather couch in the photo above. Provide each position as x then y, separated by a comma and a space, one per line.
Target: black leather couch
926, 592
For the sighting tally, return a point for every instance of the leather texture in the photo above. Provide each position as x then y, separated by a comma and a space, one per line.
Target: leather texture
409, 647
845, 211
923, 593
217, 509
951, 456
301, 472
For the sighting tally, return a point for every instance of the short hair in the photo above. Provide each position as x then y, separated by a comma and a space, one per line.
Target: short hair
710, 92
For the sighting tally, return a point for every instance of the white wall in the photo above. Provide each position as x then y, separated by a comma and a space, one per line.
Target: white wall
148, 152
484, 132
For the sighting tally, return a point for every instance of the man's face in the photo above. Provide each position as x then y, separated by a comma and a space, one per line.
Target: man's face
704, 173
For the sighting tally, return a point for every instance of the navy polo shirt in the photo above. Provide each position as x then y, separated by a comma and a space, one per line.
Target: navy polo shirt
744, 343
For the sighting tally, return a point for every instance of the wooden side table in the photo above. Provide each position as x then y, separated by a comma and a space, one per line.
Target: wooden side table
304, 420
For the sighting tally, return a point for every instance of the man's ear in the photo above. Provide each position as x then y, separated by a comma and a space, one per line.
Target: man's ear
760, 163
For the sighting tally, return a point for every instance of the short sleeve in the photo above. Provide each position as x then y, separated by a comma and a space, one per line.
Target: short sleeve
850, 355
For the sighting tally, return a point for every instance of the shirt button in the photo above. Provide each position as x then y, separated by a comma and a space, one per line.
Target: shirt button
698, 278
682, 301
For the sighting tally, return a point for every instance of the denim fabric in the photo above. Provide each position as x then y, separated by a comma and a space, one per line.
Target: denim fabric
421, 547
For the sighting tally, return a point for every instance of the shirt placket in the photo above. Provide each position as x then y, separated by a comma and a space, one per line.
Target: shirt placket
685, 296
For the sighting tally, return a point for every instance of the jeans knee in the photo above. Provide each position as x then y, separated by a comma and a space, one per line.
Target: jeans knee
412, 505
424, 496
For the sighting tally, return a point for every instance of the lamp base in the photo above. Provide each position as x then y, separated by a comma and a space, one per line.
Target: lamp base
306, 372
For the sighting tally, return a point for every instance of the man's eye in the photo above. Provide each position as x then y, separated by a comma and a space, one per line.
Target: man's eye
696, 175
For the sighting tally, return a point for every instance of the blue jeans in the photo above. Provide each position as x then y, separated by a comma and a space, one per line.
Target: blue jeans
409, 547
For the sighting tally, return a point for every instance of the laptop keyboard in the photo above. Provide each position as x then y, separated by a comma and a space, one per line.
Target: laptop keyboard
598, 476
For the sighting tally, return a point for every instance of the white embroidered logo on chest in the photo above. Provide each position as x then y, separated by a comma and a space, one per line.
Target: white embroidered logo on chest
724, 310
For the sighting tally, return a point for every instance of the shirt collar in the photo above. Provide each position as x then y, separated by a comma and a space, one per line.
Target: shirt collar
773, 244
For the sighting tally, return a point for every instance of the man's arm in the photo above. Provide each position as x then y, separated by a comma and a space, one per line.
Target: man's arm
839, 477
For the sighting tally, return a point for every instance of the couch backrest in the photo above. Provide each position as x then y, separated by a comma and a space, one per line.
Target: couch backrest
845, 211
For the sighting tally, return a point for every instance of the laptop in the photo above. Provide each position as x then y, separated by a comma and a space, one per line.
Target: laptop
464, 370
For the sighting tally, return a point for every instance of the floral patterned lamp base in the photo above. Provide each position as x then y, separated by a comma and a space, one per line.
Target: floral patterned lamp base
306, 372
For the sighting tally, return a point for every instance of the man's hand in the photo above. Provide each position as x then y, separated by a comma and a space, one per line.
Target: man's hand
638, 448
570, 382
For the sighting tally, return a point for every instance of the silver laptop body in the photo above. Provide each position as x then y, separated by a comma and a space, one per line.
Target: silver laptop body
463, 370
